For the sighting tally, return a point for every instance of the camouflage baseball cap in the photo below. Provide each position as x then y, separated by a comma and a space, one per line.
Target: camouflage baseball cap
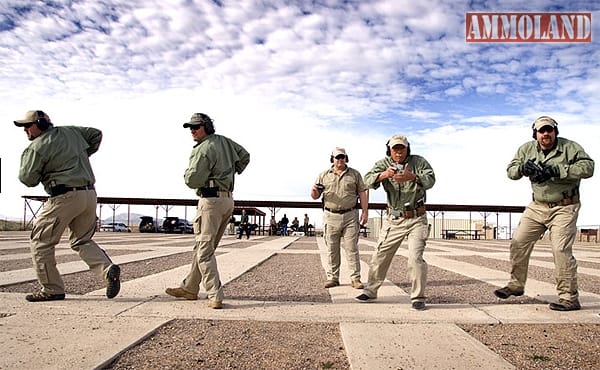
198, 119
32, 116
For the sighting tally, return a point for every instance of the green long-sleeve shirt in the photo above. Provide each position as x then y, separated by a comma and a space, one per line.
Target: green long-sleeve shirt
399, 195
215, 158
569, 157
60, 156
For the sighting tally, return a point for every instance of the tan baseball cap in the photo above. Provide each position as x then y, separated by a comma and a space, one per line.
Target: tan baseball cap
32, 116
337, 151
398, 140
544, 121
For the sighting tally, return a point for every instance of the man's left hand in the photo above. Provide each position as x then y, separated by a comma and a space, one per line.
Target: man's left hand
404, 176
548, 172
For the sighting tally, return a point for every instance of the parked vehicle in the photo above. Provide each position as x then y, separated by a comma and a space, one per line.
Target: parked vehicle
116, 227
177, 225
147, 225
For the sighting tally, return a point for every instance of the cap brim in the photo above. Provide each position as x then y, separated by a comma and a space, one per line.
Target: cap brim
21, 123
190, 124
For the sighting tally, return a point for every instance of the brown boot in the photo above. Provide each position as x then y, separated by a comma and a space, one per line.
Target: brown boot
181, 293
331, 283
356, 284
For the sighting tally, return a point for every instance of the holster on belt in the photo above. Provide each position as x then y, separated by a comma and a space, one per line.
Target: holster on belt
209, 192
420, 211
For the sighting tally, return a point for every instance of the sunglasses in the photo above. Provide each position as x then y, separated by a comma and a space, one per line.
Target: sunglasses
196, 127
28, 125
546, 129
341, 156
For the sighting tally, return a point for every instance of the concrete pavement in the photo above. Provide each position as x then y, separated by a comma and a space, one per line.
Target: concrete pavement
387, 334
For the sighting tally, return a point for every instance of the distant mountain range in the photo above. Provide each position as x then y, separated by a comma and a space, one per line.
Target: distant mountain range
134, 218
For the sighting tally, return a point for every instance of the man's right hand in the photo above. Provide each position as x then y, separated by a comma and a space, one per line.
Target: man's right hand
530, 169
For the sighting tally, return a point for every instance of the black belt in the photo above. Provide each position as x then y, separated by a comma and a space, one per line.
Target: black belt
63, 189
340, 211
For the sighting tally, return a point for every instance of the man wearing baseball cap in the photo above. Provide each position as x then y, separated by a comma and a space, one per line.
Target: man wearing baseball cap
213, 164
341, 187
405, 178
555, 167
58, 157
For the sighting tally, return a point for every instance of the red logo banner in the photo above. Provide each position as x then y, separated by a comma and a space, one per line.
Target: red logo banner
528, 27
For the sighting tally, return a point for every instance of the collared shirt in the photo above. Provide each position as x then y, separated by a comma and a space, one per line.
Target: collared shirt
341, 191
214, 162
60, 156
569, 157
406, 195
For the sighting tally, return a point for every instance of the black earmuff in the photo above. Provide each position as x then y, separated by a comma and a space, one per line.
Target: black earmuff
209, 126
41, 121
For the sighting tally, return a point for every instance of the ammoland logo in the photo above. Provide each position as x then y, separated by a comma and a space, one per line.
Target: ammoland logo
528, 27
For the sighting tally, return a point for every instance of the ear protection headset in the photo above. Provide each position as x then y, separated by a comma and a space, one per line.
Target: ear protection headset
42, 122
209, 126
545, 117
332, 157
388, 150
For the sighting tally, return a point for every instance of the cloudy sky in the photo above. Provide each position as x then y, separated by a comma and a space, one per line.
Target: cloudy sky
290, 80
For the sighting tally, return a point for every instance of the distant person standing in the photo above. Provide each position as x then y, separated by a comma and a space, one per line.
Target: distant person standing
58, 157
273, 226
213, 164
306, 224
555, 167
405, 178
341, 187
284, 225
244, 226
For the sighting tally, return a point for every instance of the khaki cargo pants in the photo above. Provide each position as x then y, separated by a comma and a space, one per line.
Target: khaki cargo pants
393, 232
77, 211
336, 228
212, 217
562, 223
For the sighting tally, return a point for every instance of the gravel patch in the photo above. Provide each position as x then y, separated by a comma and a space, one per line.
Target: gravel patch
25, 263
87, 281
580, 263
588, 283
445, 287
283, 277
213, 344
542, 346
303, 245
4, 252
